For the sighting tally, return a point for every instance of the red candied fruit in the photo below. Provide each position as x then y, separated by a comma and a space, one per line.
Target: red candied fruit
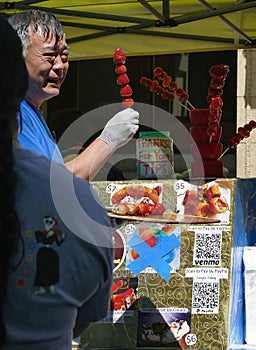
215, 92
171, 96
126, 90
179, 92
173, 85
247, 127
127, 102
252, 124
166, 81
145, 81
119, 56
158, 71
219, 70
121, 68
165, 94
244, 133
217, 103
123, 79
159, 90
154, 85
217, 83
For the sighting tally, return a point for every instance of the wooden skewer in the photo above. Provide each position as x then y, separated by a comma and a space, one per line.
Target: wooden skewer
190, 104
181, 104
222, 154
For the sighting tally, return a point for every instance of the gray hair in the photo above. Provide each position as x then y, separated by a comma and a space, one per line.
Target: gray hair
35, 21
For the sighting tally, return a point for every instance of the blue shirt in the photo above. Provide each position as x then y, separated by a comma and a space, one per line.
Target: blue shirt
34, 133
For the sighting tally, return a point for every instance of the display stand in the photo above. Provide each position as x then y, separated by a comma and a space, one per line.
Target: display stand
183, 288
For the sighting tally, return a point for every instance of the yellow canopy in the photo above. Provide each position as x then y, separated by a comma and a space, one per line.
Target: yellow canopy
95, 28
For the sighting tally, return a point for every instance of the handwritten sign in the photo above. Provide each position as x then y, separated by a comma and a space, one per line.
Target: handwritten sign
154, 152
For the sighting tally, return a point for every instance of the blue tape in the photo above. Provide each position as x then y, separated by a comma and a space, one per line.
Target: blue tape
153, 256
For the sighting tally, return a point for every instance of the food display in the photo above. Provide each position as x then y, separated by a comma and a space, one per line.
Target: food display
138, 200
142, 202
242, 132
123, 79
168, 89
206, 129
174, 283
205, 201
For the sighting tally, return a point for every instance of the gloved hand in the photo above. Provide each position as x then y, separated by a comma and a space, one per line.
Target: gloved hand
121, 128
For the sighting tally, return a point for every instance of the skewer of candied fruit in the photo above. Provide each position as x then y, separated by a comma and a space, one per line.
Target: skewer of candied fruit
218, 74
123, 80
167, 82
166, 94
242, 133
215, 113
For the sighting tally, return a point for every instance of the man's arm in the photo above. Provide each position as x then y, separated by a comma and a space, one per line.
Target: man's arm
88, 163
117, 132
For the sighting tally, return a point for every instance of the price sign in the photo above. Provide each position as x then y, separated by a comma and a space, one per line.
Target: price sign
130, 228
111, 188
190, 339
181, 186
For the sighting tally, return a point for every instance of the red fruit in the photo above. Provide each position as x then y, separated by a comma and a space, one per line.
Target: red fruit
217, 103
244, 133
119, 56
216, 112
179, 92
219, 70
122, 79
165, 94
184, 97
215, 92
209, 98
166, 81
127, 102
154, 85
158, 71
247, 127
217, 83
121, 68
252, 124
145, 81
171, 96
159, 90
126, 90
173, 85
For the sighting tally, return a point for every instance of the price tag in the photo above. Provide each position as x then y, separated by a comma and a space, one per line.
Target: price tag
130, 228
181, 186
190, 339
111, 188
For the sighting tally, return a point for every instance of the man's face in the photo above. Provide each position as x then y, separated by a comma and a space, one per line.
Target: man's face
47, 65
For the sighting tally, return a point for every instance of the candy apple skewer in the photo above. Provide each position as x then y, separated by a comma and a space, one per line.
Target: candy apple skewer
123, 80
242, 132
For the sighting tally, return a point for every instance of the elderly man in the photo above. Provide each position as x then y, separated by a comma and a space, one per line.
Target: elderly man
46, 53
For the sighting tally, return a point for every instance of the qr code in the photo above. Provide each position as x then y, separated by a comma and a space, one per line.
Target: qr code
207, 249
205, 297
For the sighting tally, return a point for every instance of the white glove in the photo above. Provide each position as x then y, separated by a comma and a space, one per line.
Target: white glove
121, 128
